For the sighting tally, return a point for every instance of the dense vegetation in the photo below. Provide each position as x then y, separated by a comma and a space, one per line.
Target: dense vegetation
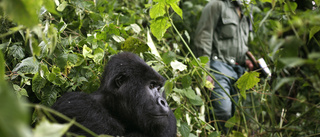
49, 47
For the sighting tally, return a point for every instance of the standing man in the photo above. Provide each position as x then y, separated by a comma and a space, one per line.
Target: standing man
222, 35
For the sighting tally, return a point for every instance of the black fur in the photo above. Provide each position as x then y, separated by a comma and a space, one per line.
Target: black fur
128, 102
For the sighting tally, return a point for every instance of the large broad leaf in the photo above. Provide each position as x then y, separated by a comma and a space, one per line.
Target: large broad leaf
158, 10
47, 129
13, 115
190, 94
197, 101
293, 62
247, 81
28, 65
159, 27
231, 122
16, 51
98, 55
38, 83
23, 12
184, 129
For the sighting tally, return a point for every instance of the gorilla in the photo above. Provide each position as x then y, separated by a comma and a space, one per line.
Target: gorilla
129, 102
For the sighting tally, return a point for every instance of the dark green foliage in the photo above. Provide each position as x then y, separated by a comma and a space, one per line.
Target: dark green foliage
51, 47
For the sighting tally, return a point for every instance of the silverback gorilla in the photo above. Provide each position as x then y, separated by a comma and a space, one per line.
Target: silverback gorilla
129, 102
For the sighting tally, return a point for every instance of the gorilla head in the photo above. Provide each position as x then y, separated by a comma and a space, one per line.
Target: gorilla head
137, 89
131, 93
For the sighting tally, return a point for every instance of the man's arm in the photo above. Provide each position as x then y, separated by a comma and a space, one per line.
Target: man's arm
205, 28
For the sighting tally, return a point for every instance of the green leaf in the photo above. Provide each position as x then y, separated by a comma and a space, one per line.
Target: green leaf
72, 59
87, 52
157, 10
186, 81
5, 45
184, 129
80, 59
231, 122
215, 134
44, 71
197, 101
189, 93
168, 86
47, 129
16, 51
61, 61
49, 95
159, 27
62, 6
51, 77
238, 134
23, 12
313, 31
247, 81
176, 9
14, 116
20, 91
38, 83
28, 65
62, 26
50, 6
66, 60
192, 135
55, 77
314, 55
283, 81
292, 5
98, 55
167, 57
36, 49
293, 62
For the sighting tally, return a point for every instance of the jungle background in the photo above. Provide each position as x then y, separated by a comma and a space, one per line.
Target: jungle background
50, 47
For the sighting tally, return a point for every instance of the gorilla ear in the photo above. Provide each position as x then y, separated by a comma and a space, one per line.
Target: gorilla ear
119, 80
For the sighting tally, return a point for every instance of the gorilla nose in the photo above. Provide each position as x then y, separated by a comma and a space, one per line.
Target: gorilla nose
163, 104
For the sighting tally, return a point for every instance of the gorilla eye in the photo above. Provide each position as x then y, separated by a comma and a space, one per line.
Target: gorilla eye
152, 85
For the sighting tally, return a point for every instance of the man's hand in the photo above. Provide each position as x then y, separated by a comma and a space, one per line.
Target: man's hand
249, 64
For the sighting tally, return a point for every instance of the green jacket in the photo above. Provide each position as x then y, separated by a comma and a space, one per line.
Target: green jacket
221, 34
